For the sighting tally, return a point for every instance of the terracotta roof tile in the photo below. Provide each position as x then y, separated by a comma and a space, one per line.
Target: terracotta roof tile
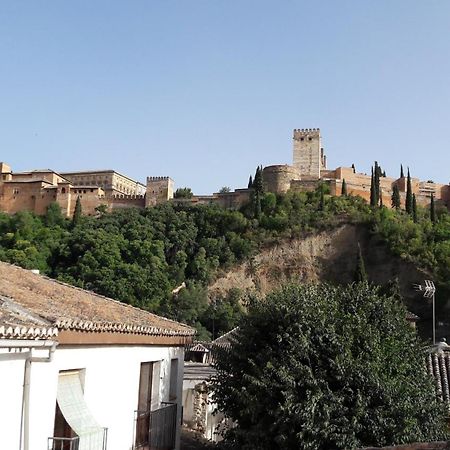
29, 298
438, 365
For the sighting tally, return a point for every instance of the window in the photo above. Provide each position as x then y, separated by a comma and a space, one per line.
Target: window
72, 415
63, 190
173, 388
310, 139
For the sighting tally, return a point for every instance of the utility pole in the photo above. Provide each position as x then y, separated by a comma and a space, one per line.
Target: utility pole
429, 291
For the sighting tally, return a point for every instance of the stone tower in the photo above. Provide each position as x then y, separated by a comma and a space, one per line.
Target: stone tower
159, 190
308, 157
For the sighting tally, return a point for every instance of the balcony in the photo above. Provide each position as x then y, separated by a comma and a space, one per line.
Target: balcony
94, 442
156, 430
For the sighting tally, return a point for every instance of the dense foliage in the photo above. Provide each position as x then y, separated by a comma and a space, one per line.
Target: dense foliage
140, 256
320, 367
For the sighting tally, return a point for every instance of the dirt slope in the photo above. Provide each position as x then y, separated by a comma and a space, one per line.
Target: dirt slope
326, 256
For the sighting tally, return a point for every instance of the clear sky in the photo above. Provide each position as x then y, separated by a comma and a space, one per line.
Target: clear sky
205, 90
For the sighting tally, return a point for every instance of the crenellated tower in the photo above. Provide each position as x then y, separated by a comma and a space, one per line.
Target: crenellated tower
308, 156
159, 190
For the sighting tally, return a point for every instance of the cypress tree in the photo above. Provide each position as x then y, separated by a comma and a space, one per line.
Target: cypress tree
77, 213
376, 175
414, 208
395, 199
344, 188
354, 169
360, 275
250, 182
381, 198
409, 195
258, 187
432, 209
402, 175
384, 174
373, 195
322, 198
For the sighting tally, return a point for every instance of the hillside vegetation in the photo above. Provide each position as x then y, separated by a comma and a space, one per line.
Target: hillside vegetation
140, 256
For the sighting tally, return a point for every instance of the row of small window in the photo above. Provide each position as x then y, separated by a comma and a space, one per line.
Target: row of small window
77, 191
309, 139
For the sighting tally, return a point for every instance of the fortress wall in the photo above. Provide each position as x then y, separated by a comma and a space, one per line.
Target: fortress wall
119, 201
304, 185
233, 200
21, 197
278, 178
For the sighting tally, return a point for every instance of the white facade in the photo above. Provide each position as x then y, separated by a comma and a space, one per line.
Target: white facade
111, 385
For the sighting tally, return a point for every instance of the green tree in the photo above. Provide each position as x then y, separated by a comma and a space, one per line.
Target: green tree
344, 188
409, 195
77, 214
322, 367
53, 216
414, 208
225, 189
402, 175
377, 175
360, 271
321, 198
250, 182
354, 169
183, 193
373, 190
432, 209
258, 187
395, 198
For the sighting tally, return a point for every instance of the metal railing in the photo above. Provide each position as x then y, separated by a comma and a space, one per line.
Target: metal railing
156, 430
63, 443
60, 443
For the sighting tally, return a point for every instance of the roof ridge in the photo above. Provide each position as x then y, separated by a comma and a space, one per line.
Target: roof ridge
81, 324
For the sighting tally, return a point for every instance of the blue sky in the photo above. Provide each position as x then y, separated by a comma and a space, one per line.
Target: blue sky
205, 90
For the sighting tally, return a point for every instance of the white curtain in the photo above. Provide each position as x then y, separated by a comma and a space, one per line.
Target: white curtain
75, 411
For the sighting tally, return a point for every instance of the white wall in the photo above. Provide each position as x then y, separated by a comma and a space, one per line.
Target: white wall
110, 390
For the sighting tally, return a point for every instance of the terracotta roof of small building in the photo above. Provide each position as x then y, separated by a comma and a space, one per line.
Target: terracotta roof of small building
29, 300
438, 366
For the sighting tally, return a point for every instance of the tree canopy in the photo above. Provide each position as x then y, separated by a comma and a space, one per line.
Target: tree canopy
321, 367
140, 256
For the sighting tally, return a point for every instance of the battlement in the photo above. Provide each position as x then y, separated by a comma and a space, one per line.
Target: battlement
150, 179
306, 132
127, 196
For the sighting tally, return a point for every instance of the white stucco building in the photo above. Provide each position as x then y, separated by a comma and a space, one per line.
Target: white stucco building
79, 371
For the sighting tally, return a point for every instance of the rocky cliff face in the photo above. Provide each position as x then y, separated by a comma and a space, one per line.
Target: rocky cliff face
327, 256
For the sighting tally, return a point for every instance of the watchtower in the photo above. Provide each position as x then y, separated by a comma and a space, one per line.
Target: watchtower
308, 156
159, 190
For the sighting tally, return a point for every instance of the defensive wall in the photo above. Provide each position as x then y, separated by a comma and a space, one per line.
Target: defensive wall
35, 190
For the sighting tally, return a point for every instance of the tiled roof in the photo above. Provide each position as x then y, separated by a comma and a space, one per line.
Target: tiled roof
29, 298
198, 371
15, 323
438, 365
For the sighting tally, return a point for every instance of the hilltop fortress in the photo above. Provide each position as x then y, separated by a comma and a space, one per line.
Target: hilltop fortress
35, 190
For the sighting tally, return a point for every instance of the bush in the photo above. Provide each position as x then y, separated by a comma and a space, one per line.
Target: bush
322, 367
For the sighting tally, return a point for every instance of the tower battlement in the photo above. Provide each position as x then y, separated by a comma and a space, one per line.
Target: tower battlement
306, 132
150, 179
